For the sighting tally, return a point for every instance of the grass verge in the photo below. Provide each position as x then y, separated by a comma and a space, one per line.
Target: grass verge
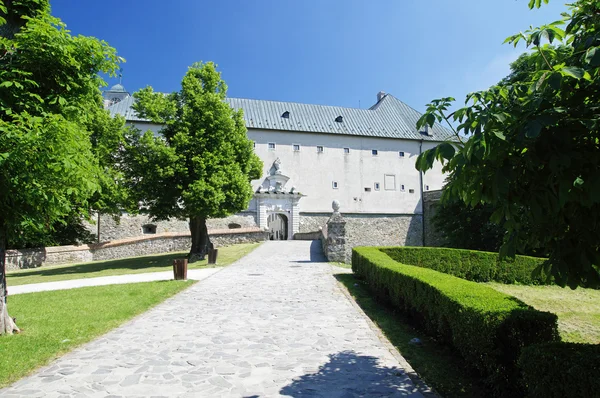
132, 265
438, 365
578, 310
341, 265
54, 323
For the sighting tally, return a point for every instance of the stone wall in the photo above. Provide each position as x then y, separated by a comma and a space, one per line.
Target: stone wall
123, 248
431, 201
313, 222
129, 226
382, 230
375, 229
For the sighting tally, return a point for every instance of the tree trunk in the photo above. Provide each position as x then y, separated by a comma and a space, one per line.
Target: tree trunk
7, 324
200, 239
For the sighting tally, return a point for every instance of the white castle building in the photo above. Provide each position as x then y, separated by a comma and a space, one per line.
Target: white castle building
314, 154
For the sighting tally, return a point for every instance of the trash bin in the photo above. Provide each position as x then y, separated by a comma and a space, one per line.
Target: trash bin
212, 256
180, 266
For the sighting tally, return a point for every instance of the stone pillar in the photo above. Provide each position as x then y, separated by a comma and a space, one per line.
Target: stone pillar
335, 243
262, 213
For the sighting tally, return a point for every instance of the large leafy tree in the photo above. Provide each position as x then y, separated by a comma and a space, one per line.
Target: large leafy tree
201, 164
532, 142
50, 103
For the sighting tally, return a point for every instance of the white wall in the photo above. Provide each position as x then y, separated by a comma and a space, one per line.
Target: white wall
313, 173
145, 126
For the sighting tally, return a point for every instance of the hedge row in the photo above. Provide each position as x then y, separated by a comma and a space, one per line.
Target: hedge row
561, 370
488, 328
472, 265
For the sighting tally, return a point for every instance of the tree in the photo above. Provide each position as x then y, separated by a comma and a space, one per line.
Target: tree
466, 227
534, 142
49, 95
201, 164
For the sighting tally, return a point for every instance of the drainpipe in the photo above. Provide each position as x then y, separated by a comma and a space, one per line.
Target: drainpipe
422, 199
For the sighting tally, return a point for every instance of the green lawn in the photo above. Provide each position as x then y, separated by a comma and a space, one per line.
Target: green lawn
133, 265
341, 265
438, 365
55, 322
578, 310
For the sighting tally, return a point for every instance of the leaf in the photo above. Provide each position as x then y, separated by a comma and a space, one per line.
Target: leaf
500, 135
573, 71
6, 84
533, 129
446, 151
578, 182
555, 80
592, 56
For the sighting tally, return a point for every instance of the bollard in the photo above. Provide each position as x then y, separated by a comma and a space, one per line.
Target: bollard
180, 266
212, 256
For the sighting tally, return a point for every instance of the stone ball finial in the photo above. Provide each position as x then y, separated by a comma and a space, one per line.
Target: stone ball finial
335, 205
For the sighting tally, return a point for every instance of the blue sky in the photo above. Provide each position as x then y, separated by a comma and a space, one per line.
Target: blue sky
332, 52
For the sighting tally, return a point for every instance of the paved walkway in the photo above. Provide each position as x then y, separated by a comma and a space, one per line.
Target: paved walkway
195, 274
273, 324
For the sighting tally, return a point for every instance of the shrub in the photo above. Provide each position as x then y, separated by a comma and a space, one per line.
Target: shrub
472, 265
561, 370
487, 327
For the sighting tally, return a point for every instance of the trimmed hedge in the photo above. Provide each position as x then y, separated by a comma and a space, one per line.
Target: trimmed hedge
487, 327
561, 370
471, 265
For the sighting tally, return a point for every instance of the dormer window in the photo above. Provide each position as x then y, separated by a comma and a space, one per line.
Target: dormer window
339, 119
286, 115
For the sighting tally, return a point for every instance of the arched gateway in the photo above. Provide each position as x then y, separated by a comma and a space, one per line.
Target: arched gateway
277, 205
278, 226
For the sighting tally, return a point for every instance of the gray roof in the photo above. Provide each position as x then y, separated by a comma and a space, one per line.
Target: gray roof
388, 118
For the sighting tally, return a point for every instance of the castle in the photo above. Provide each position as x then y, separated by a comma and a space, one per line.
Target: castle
312, 155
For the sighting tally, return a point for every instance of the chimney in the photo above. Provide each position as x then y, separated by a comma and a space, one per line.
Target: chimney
380, 95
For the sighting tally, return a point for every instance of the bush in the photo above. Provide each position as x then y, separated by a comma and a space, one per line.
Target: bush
561, 370
472, 265
487, 327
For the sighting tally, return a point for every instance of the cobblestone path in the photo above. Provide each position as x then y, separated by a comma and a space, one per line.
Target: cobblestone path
273, 324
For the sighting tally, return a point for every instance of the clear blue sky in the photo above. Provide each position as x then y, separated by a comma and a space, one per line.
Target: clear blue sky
333, 52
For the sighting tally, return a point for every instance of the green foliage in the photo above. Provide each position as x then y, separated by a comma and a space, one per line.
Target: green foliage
487, 327
533, 142
203, 161
472, 265
54, 135
561, 370
464, 227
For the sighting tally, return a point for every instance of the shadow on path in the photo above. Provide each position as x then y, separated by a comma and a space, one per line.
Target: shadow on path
316, 252
348, 374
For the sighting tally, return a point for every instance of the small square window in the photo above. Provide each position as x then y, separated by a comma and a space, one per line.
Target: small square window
296, 147
346, 150
377, 186
334, 185
402, 187
374, 152
427, 187
367, 189
319, 149
401, 154
271, 145
411, 191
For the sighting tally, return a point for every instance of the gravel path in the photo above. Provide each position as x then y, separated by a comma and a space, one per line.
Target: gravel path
276, 323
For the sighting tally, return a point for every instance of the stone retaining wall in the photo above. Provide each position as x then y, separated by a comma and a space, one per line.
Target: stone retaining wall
130, 226
376, 229
431, 200
123, 248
